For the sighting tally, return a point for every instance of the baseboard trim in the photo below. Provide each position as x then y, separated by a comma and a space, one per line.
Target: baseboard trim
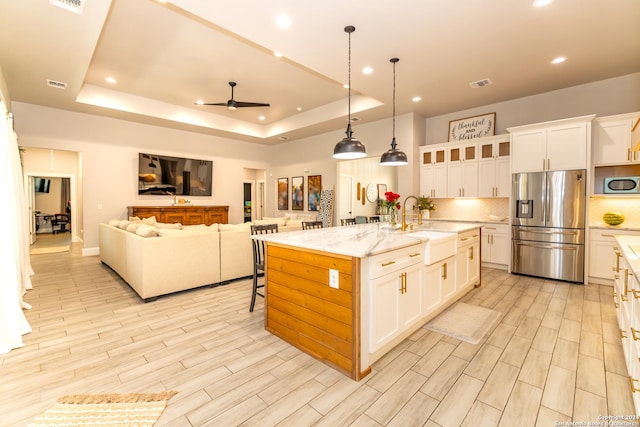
91, 251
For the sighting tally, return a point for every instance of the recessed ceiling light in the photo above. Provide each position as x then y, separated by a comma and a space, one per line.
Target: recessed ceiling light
261, 117
278, 54
559, 60
283, 21
416, 99
346, 86
367, 70
200, 102
541, 3
299, 108
111, 80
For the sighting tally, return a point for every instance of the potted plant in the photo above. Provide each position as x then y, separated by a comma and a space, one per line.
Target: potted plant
425, 204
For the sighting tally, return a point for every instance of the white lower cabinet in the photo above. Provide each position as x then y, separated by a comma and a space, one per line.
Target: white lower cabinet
602, 253
441, 276
467, 265
626, 296
495, 244
396, 295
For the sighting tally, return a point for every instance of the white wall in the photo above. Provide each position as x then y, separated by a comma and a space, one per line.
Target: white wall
109, 150
604, 98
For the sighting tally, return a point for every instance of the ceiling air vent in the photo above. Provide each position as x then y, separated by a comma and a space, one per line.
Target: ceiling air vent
58, 85
481, 83
74, 6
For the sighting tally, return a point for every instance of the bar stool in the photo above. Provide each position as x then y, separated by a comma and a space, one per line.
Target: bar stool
374, 219
307, 225
361, 220
348, 221
259, 257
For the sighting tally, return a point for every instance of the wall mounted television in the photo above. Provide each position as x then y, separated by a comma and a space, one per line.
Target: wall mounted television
178, 176
41, 185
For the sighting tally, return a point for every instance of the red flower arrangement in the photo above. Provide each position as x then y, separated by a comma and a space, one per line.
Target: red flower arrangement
391, 200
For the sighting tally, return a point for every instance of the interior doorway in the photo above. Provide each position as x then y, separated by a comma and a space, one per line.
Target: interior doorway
48, 195
253, 191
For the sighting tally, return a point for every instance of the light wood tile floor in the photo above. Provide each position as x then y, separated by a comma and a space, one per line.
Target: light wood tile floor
554, 357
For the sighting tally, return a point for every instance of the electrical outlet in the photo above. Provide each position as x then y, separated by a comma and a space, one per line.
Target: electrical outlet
334, 279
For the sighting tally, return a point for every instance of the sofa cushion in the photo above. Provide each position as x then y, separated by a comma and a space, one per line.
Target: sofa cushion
282, 221
124, 224
145, 230
233, 227
165, 225
132, 227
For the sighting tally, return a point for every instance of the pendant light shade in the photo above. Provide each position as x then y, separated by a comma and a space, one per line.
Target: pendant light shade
393, 156
349, 147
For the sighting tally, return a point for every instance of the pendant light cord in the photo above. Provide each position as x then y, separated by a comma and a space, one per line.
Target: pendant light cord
394, 99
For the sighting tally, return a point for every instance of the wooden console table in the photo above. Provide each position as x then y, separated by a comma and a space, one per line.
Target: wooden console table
185, 215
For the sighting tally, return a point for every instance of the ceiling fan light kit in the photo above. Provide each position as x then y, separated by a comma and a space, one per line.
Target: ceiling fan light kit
349, 148
393, 156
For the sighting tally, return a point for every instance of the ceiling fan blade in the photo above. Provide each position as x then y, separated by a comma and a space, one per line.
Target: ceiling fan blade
224, 104
240, 104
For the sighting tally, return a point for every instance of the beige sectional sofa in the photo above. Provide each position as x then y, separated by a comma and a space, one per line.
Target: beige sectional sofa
158, 259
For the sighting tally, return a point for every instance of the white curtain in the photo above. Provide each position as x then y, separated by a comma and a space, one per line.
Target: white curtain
15, 265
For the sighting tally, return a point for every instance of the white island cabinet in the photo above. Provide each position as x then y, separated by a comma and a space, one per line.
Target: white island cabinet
348, 295
626, 295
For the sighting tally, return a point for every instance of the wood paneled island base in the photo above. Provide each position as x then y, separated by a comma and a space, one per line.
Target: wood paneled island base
303, 309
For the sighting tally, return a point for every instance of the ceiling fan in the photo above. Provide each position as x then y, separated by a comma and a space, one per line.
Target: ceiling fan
232, 104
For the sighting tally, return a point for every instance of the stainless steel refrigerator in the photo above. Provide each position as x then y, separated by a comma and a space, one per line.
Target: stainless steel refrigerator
548, 217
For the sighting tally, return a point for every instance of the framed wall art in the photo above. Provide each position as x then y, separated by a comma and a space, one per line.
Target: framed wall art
314, 187
472, 127
297, 193
283, 194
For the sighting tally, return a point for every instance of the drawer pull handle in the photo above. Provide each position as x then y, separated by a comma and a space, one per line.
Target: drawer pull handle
475, 235
444, 271
607, 235
415, 255
632, 384
471, 253
385, 264
617, 305
633, 334
623, 333
464, 238
636, 293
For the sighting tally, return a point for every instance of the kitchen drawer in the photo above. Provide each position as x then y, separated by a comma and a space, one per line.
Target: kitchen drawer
396, 260
468, 237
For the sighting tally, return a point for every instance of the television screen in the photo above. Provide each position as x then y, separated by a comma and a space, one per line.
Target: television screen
41, 185
174, 175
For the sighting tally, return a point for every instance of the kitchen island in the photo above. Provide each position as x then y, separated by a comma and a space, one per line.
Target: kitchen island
348, 295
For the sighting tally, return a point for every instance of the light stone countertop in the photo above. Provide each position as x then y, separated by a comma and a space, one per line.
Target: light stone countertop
606, 226
361, 240
630, 247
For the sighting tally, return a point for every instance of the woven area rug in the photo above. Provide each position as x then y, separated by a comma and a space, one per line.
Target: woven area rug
466, 322
134, 409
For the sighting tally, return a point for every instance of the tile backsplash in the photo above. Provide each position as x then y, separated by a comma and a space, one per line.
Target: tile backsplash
470, 209
627, 206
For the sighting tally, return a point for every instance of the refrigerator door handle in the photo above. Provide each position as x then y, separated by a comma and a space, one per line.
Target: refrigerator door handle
563, 247
573, 232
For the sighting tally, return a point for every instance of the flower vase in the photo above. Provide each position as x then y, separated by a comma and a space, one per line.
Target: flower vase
393, 216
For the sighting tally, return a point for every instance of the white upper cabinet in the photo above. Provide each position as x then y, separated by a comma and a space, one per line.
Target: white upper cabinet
612, 143
557, 145
494, 176
462, 170
433, 170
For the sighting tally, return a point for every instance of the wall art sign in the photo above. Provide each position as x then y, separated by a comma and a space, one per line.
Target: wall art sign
297, 193
472, 127
314, 186
283, 194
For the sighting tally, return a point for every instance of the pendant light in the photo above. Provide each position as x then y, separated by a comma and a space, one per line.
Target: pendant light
349, 148
393, 156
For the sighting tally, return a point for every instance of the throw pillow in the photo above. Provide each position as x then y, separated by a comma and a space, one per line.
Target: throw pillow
114, 222
124, 224
151, 220
147, 231
175, 226
131, 228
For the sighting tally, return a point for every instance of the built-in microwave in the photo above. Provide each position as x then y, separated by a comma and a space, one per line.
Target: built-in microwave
622, 185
